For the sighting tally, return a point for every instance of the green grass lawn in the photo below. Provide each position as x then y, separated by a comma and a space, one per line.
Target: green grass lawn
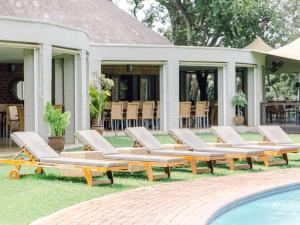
32, 197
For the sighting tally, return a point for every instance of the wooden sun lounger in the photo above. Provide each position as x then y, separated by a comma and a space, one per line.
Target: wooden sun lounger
95, 142
274, 135
187, 137
36, 153
142, 137
231, 138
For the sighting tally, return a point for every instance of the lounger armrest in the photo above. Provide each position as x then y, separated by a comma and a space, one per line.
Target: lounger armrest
83, 155
132, 150
222, 145
176, 147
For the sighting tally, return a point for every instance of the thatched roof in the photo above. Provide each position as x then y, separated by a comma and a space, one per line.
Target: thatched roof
104, 22
259, 45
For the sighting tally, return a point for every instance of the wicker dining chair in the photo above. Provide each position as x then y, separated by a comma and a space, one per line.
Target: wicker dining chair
148, 113
125, 103
13, 122
185, 113
132, 114
200, 114
116, 115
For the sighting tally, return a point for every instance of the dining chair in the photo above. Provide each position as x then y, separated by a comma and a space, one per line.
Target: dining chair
200, 114
185, 113
116, 115
13, 123
148, 113
132, 114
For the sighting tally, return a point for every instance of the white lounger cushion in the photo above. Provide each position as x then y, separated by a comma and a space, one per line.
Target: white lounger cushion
44, 153
98, 143
268, 147
231, 150
95, 141
84, 162
275, 134
229, 135
143, 158
144, 137
34, 144
187, 137
187, 153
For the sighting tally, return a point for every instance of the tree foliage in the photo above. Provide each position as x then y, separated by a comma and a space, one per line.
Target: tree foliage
230, 23
281, 87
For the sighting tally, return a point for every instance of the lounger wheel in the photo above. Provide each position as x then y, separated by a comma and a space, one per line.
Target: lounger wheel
14, 174
39, 170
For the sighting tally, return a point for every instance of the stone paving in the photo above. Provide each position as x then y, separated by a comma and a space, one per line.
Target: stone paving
189, 202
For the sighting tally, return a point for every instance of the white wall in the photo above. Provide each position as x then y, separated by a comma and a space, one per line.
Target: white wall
173, 56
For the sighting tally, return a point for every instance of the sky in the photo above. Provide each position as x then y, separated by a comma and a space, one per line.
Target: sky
125, 6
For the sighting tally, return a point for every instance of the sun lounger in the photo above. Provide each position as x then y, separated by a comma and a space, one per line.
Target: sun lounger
187, 137
39, 154
94, 141
231, 138
142, 137
276, 136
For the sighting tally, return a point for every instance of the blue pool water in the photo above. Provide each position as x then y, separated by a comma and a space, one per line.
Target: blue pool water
278, 209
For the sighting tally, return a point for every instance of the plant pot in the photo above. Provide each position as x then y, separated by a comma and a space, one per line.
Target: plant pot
57, 143
239, 120
98, 128
94, 122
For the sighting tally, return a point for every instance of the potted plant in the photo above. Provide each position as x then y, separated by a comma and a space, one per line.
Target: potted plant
58, 122
98, 100
239, 101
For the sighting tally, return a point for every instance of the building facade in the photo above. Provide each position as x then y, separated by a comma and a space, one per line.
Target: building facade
60, 45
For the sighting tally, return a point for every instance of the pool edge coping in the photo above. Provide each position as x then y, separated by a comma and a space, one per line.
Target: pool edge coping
250, 198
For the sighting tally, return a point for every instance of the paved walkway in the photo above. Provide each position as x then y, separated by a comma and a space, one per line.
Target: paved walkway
190, 202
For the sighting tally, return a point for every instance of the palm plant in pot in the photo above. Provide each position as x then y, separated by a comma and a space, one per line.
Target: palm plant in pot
98, 101
240, 102
58, 121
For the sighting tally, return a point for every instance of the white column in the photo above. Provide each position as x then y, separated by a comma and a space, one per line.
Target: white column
44, 88
171, 116
251, 87
31, 70
230, 92
94, 67
222, 96
81, 92
163, 96
69, 95
259, 84
59, 81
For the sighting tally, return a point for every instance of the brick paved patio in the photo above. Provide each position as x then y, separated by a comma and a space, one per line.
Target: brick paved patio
190, 202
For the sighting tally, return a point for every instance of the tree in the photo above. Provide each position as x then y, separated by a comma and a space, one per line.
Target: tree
230, 23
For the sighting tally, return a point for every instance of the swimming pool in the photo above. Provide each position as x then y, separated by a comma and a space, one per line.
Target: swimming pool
281, 208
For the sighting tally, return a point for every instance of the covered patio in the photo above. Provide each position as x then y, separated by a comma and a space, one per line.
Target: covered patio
284, 112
